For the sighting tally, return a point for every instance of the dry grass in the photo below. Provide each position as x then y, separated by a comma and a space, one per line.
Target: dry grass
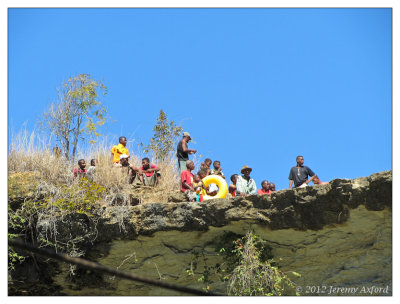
31, 153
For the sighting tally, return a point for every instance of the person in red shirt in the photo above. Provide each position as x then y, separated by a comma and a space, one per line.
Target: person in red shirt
187, 182
148, 173
81, 172
264, 188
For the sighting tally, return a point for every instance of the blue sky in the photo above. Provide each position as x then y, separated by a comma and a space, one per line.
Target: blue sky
254, 87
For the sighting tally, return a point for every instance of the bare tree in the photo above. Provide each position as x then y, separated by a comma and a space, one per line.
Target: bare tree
77, 113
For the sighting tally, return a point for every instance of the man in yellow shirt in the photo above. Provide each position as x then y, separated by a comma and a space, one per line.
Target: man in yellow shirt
120, 149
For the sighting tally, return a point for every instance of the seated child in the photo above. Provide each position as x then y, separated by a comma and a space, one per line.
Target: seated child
217, 169
206, 165
198, 186
232, 187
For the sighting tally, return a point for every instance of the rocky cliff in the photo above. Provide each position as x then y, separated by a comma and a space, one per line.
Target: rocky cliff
336, 236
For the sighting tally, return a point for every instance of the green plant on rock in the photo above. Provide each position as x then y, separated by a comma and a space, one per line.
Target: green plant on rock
80, 197
15, 227
252, 277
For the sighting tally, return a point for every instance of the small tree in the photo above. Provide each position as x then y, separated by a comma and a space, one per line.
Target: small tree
165, 136
76, 113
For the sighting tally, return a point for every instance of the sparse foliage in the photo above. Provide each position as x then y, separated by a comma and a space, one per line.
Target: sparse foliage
77, 113
252, 277
165, 136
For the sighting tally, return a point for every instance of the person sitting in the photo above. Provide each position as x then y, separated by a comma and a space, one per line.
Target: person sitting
217, 169
81, 171
272, 187
205, 190
91, 170
198, 187
232, 187
125, 165
148, 174
244, 184
118, 150
317, 181
187, 182
299, 174
206, 165
264, 188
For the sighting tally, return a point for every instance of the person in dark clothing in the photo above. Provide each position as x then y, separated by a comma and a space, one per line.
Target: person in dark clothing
300, 173
182, 151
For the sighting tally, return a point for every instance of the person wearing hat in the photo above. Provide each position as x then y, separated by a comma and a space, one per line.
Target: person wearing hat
182, 151
245, 185
124, 163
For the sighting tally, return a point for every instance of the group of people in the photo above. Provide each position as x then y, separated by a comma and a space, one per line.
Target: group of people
192, 185
148, 174
242, 185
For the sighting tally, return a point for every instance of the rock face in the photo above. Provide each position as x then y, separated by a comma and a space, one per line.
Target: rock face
336, 235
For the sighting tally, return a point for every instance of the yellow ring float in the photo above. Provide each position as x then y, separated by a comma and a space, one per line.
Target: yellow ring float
221, 183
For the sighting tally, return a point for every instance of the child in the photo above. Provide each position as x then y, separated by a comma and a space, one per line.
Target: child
217, 169
198, 187
206, 165
232, 187
81, 171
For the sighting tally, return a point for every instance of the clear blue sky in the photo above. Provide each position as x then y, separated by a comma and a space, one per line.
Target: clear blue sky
254, 87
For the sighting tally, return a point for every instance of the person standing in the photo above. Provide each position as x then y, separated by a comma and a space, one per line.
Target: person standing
187, 182
119, 149
244, 184
299, 174
182, 151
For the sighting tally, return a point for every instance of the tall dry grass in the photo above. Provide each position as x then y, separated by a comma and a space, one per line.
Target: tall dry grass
33, 153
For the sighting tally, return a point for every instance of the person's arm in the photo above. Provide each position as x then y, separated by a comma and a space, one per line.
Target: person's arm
310, 179
310, 173
186, 186
290, 179
154, 169
185, 148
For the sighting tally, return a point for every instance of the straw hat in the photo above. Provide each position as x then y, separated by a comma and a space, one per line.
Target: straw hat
245, 168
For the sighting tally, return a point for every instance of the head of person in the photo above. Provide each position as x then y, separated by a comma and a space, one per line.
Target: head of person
246, 171
82, 164
123, 141
189, 165
300, 160
265, 185
93, 162
124, 160
217, 164
207, 162
186, 136
196, 178
234, 178
145, 163
202, 173
316, 180
272, 186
